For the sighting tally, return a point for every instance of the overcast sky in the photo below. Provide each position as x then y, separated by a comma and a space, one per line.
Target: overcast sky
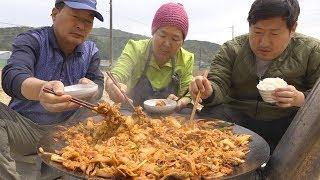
210, 20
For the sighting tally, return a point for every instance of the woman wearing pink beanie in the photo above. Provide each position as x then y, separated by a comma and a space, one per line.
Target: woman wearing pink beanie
158, 67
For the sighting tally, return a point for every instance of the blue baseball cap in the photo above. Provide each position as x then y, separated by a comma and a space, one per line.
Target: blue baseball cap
83, 4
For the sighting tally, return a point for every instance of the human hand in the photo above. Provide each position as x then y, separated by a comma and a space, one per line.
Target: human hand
85, 81
288, 96
115, 93
202, 84
181, 103
58, 102
88, 81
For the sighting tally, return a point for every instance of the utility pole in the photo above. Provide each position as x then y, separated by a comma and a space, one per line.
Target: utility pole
110, 34
200, 51
232, 31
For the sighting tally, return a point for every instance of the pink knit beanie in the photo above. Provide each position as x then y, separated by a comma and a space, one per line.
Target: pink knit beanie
171, 14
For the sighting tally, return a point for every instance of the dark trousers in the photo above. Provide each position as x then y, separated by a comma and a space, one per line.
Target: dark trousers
17, 134
20, 135
271, 131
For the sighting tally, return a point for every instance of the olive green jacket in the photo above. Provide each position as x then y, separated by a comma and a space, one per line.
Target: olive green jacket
234, 79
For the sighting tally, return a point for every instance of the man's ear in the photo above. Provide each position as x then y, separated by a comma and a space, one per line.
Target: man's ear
293, 30
54, 13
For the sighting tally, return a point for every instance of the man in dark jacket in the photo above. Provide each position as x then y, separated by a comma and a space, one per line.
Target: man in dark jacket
51, 57
271, 49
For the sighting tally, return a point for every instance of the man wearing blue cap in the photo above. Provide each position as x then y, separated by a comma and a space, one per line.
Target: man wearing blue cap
51, 57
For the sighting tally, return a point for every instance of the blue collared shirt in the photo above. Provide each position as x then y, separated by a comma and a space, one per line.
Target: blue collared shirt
37, 54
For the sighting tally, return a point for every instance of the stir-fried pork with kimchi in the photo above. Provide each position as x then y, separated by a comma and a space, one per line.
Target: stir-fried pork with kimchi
160, 103
145, 148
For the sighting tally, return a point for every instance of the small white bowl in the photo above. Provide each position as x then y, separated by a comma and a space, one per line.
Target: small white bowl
267, 95
268, 85
150, 106
81, 90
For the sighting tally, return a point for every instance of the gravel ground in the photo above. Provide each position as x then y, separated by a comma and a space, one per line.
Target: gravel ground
4, 98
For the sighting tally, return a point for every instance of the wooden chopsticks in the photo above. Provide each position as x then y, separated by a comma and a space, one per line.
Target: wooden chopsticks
114, 80
183, 95
195, 105
75, 100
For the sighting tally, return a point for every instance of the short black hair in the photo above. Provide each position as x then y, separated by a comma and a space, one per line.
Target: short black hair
266, 9
59, 5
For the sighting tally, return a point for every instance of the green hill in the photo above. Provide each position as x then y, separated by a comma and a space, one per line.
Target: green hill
203, 50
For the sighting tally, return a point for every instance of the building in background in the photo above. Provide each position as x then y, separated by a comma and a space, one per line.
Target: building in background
105, 64
4, 56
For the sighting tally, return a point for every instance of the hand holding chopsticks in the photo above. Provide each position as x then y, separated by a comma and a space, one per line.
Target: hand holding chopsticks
195, 105
182, 101
183, 95
75, 100
116, 83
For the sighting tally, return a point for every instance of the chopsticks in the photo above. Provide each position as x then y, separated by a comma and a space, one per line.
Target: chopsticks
114, 80
205, 74
75, 100
183, 95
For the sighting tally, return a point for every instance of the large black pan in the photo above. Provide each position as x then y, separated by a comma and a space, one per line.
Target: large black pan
259, 153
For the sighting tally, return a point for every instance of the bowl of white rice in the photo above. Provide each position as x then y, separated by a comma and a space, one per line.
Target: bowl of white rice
267, 86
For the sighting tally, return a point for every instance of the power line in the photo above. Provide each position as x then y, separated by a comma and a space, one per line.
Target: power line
134, 20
